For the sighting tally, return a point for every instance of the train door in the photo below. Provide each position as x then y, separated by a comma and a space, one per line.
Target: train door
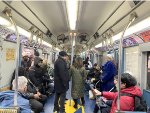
148, 70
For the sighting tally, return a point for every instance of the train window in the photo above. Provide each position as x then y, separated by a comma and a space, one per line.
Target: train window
148, 70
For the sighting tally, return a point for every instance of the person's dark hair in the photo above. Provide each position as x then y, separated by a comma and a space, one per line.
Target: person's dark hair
78, 62
95, 64
128, 79
36, 53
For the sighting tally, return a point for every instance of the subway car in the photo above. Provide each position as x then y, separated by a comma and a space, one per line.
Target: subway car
65, 56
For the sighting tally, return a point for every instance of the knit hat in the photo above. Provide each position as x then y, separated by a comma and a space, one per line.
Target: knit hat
62, 53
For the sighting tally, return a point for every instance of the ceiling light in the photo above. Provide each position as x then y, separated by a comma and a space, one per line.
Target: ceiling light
98, 45
117, 37
57, 49
47, 44
138, 27
133, 29
4, 22
72, 7
21, 31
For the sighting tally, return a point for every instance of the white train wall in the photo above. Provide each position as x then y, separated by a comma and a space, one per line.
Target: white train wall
8, 55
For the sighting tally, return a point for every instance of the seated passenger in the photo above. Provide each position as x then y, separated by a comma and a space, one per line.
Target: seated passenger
35, 98
105, 108
48, 82
91, 71
7, 97
128, 86
36, 74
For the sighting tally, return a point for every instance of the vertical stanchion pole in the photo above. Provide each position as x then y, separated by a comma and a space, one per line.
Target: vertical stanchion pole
71, 37
132, 18
8, 13
17, 62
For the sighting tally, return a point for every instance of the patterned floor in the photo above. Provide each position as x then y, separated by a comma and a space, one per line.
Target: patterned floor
88, 108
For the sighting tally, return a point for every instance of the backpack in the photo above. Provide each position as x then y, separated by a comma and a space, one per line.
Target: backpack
139, 102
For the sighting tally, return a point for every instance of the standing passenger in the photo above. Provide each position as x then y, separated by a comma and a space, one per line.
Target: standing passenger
78, 74
109, 71
61, 81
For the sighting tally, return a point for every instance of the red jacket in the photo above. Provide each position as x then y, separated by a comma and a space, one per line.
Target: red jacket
126, 102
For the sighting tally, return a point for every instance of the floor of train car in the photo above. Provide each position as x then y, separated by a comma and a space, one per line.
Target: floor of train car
88, 108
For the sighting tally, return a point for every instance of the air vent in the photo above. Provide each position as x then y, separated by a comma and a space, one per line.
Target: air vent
49, 34
62, 39
82, 38
134, 3
96, 35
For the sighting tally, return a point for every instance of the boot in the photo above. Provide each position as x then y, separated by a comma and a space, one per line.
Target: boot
83, 101
76, 103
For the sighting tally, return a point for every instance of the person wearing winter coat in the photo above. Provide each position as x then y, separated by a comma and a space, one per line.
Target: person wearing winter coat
108, 72
7, 97
34, 97
78, 75
35, 74
128, 86
61, 81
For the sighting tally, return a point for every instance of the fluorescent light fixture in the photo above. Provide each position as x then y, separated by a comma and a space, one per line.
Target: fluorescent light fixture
57, 49
21, 31
4, 22
72, 7
74, 41
108, 41
98, 45
138, 27
133, 29
117, 37
47, 44
34, 38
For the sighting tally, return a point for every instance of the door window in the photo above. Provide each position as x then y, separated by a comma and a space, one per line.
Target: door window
148, 70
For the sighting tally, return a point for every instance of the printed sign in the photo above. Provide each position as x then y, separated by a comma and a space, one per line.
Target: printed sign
145, 35
10, 54
129, 42
4, 32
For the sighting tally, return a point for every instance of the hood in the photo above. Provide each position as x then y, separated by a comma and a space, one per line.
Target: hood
132, 90
37, 60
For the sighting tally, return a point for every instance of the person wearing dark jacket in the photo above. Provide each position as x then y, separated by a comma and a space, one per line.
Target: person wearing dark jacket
36, 74
128, 86
61, 81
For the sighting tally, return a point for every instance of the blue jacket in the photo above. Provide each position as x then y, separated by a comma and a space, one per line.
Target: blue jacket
7, 100
109, 71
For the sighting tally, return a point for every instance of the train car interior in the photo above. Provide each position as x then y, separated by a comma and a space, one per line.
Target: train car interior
37, 33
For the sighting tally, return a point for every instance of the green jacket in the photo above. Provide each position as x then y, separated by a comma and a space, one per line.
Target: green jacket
78, 81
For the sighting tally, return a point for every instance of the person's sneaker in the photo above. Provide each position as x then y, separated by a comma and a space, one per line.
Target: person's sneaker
56, 109
83, 104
